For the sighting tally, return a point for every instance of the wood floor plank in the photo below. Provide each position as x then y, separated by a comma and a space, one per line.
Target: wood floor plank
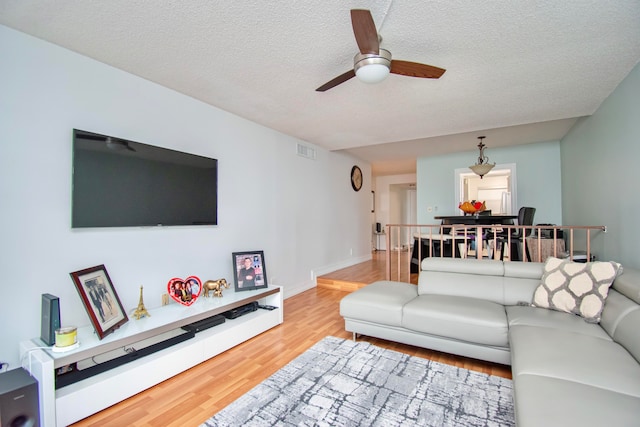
351, 278
193, 396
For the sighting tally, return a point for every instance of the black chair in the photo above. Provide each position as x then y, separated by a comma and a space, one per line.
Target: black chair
525, 217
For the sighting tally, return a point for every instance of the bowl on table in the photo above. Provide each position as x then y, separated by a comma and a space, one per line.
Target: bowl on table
472, 207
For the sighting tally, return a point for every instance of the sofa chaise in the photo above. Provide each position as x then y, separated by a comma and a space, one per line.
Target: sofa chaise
573, 363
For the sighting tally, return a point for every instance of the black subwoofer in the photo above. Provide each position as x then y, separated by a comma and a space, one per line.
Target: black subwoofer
18, 399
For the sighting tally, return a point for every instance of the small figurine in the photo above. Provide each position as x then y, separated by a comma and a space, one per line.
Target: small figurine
141, 311
215, 286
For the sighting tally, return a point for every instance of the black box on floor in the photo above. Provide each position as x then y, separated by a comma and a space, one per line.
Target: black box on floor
19, 399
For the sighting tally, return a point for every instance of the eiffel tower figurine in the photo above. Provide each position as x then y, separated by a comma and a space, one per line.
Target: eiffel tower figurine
140, 311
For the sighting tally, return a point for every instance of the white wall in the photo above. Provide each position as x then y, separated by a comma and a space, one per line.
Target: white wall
588, 178
402, 210
303, 214
538, 174
386, 199
599, 173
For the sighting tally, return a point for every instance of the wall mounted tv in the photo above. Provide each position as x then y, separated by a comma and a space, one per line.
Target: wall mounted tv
121, 183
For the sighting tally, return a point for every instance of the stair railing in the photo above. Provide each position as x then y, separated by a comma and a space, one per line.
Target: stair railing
535, 242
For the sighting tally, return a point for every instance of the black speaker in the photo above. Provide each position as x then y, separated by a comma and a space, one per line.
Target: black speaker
18, 399
378, 227
50, 320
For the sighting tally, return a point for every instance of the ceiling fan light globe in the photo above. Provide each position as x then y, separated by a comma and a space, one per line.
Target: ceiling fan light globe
371, 68
372, 73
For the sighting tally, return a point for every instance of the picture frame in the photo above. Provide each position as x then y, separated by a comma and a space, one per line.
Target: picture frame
100, 299
249, 280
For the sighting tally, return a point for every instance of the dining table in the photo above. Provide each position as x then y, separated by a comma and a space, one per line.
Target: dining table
424, 241
502, 219
476, 219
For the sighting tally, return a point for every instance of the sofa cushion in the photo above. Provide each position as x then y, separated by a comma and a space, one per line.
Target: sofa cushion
524, 270
578, 288
474, 278
628, 333
547, 401
628, 284
615, 309
620, 319
573, 357
503, 283
532, 316
461, 318
379, 302
461, 284
520, 281
484, 267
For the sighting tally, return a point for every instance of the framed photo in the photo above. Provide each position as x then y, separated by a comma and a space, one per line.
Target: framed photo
249, 270
100, 299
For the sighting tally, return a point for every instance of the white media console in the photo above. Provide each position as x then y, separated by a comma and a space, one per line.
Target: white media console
73, 402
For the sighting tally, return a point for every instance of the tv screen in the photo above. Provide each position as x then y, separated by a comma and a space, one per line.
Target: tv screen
121, 183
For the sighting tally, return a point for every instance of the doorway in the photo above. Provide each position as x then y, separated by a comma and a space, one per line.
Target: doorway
497, 188
402, 210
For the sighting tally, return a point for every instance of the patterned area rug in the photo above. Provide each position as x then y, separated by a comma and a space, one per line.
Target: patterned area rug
340, 382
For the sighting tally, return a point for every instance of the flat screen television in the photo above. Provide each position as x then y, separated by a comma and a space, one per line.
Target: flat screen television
121, 183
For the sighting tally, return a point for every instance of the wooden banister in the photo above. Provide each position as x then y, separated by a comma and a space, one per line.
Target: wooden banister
457, 239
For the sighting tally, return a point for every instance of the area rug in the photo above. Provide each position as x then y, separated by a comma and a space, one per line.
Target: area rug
340, 382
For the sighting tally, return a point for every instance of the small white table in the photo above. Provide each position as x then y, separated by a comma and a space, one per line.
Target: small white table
377, 235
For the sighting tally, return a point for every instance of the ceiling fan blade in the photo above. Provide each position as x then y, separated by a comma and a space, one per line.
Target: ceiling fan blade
365, 31
414, 69
338, 80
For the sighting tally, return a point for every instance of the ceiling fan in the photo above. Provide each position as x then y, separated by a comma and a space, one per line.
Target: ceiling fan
373, 64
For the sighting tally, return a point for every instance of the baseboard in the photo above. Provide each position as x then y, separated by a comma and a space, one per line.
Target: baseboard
340, 265
289, 291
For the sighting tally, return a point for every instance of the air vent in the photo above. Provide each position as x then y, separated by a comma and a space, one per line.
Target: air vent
307, 152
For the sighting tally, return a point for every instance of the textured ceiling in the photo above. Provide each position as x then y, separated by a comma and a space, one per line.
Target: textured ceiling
515, 69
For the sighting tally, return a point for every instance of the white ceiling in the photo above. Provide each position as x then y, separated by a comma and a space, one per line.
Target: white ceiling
517, 71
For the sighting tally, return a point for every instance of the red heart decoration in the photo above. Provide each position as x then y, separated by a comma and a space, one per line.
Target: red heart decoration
185, 291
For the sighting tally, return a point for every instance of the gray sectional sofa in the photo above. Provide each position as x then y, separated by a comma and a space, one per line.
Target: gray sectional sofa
566, 371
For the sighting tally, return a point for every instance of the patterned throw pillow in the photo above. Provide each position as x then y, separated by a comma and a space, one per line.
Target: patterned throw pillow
578, 288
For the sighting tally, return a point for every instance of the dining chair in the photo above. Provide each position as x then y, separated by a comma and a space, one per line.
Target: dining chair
525, 217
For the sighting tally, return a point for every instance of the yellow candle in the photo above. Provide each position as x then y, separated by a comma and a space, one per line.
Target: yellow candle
66, 336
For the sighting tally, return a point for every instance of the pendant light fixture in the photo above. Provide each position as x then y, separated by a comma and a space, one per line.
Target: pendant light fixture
482, 166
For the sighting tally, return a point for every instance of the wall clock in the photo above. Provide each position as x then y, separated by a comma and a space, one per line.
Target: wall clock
356, 178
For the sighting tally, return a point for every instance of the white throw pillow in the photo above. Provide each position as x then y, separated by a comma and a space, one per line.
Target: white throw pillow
578, 288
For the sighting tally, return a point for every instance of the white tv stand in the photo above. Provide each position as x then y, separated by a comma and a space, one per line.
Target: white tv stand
76, 401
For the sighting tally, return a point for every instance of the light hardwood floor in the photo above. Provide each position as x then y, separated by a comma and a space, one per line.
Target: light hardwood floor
195, 395
359, 275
